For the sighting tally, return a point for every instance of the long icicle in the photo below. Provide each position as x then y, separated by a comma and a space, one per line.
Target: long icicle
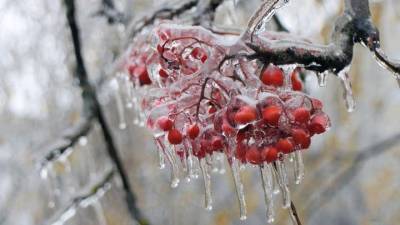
207, 183
267, 184
283, 183
298, 167
347, 91
239, 188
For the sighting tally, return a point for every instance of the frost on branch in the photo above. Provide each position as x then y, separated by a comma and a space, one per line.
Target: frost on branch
201, 103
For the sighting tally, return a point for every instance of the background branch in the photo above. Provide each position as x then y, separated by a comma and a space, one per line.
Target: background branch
92, 106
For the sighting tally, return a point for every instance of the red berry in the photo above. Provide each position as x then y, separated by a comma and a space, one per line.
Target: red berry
318, 124
273, 76
193, 131
175, 137
199, 152
269, 154
297, 85
163, 73
241, 152
206, 146
301, 138
212, 110
317, 104
301, 115
164, 123
217, 143
271, 115
253, 155
141, 72
246, 114
227, 128
284, 145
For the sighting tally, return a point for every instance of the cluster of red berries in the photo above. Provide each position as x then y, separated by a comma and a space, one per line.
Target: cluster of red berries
201, 105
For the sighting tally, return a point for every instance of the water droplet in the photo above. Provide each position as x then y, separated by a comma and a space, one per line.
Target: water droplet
83, 141
207, 183
347, 91
239, 188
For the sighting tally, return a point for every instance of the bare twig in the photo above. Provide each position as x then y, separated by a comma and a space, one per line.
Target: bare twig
92, 107
326, 194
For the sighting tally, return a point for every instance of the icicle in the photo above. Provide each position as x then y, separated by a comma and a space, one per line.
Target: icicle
275, 185
267, 184
120, 109
219, 161
174, 167
190, 162
348, 93
283, 183
101, 219
207, 183
66, 215
322, 79
129, 90
161, 158
383, 64
239, 188
298, 167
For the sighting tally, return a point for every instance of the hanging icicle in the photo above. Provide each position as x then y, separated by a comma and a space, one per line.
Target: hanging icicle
267, 184
239, 188
347, 91
207, 183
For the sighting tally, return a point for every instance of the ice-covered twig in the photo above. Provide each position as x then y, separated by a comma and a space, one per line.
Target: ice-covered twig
93, 107
67, 140
339, 181
112, 14
94, 193
162, 13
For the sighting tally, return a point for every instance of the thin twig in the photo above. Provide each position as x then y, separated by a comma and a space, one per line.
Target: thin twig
326, 194
85, 198
92, 107
67, 140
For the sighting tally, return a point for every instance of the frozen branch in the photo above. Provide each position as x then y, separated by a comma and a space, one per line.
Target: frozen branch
163, 13
92, 107
325, 195
353, 26
67, 140
109, 11
92, 195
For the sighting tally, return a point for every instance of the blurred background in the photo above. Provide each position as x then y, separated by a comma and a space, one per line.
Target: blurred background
39, 99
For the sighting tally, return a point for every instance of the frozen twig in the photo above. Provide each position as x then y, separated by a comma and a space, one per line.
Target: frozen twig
92, 107
84, 199
326, 194
67, 140
109, 11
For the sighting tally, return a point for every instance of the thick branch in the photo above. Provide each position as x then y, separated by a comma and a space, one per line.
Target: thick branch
92, 106
353, 26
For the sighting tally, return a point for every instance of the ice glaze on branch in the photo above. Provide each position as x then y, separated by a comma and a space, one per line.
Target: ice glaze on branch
67, 140
353, 26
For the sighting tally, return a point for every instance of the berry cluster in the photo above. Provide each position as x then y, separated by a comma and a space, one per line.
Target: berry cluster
203, 101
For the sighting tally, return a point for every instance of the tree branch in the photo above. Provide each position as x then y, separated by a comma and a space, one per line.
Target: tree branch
353, 26
67, 140
326, 194
86, 198
92, 107
109, 11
